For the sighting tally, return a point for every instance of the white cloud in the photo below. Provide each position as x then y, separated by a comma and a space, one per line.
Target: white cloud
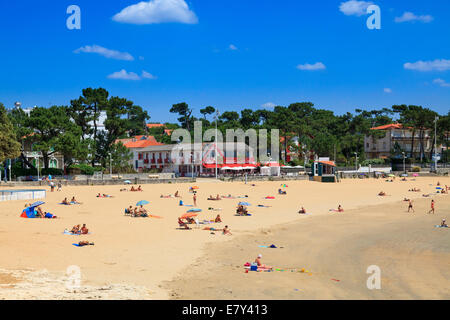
354, 7
124, 75
157, 11
442, 83
108, 53
411, 17
387, 90
436, 65
232, 47
269, 105
147, 75
311, 67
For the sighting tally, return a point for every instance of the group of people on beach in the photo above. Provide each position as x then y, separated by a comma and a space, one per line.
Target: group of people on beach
80, 230
73, 201
136, 212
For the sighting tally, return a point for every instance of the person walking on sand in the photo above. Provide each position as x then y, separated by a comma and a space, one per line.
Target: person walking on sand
432, 207
195, 199
410, 206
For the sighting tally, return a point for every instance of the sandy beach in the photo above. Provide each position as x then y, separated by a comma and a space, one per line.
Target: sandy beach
148, 258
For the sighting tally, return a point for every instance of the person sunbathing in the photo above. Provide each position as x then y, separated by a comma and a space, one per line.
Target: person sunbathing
444, 224
190, 221
66, 202
74, 201
340, 209
139, 189
75, 229
218, 219
177, 195
142, 210
129, 210
99, 195
40, 213
84, 230
226, 231
382, 194
85, 243
302, 211
183, 224
281, 191
133, 189
438, 184
259, 263
122, 190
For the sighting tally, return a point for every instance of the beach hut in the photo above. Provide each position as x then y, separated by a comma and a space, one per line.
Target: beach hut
324, 170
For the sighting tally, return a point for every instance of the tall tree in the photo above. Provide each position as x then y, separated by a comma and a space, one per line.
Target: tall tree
185, 114
9, 147
51, 126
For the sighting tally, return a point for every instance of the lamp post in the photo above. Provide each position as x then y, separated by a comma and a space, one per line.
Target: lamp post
215, 141
356, 161
404, 165
37, 161
9, 169
192, 164
435, 143
110, 164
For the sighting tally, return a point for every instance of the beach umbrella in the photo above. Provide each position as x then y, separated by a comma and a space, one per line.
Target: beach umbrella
244, 204
404, 175
37, 204
142, 203
415, 174
391, 175
189, 215
226, 168
194, 210
195, 188
127, 182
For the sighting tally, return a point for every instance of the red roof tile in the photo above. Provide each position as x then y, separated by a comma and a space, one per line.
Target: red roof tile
389, 126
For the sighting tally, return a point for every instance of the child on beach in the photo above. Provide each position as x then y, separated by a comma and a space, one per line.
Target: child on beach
302, 211
432, 207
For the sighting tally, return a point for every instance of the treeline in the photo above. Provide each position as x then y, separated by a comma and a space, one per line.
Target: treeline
336, 136
73, 130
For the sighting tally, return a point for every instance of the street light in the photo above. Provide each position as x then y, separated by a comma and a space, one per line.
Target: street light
435, 143
215, 141
110, 163
404, 165
37, 161
356, 160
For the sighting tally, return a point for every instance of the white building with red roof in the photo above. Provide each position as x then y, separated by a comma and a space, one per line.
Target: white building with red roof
397, 136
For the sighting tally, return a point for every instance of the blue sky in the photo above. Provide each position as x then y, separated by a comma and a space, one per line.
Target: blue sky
231, 54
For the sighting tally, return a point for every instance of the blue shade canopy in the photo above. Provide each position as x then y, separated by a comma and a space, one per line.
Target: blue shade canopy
244, 204
142, 203
37, 204
194, 210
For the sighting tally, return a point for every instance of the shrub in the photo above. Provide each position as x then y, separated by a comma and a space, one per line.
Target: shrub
85, 169
416, 169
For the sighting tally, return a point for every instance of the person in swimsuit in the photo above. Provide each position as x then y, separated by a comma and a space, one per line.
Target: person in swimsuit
226, 231
65, 201
195, 199
432, 207
410, 206
218, 219
84, 230
302, 211
75, 229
